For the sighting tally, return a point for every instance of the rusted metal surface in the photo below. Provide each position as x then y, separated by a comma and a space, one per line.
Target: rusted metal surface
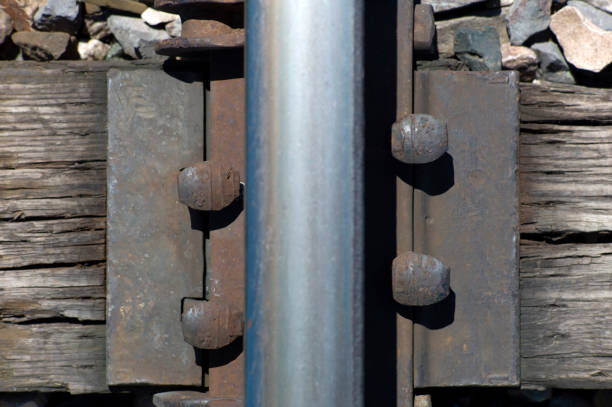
466, 215
200, 36
211, 324
192, 399
225, 142
172, 5
154, 254
419, 279
424, 28
206, 26
217, 31
418, 139
208, 186
404, 368
212, 26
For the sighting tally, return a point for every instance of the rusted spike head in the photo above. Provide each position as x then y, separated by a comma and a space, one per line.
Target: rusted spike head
419, 279
210, 324
208, 186
424, 28
418, 139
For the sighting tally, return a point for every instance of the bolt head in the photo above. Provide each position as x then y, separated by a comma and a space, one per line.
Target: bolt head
418, 139
419, 279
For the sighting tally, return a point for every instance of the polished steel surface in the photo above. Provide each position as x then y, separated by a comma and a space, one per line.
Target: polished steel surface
304, 200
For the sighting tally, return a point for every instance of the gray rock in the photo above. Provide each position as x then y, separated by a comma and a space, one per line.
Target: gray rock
6, 25
42, 46
553, 67
443, 5
526, 18
59, 15
479, 48
605, 5
596, 16
136, 38
115, 51
446, 29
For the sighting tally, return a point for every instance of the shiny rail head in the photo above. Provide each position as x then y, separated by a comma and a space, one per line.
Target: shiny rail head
418, 139
208, 186
210, 324
419, 279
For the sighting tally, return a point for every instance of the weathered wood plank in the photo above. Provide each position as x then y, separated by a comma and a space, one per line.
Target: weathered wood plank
565, 169
52, 226
77, 240
61, 292
566, 189
566, 314
52, 357
551, 102
71, 207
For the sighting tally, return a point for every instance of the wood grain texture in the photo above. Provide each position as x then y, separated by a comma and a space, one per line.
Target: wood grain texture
52, 226
566, 190
52, 209
52, 357
565, 159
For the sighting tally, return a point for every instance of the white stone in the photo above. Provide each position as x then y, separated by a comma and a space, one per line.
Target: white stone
93, 49
174, 28
585, 45
155, 17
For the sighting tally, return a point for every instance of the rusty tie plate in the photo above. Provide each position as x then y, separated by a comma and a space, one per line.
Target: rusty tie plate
155, 257
466, 214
